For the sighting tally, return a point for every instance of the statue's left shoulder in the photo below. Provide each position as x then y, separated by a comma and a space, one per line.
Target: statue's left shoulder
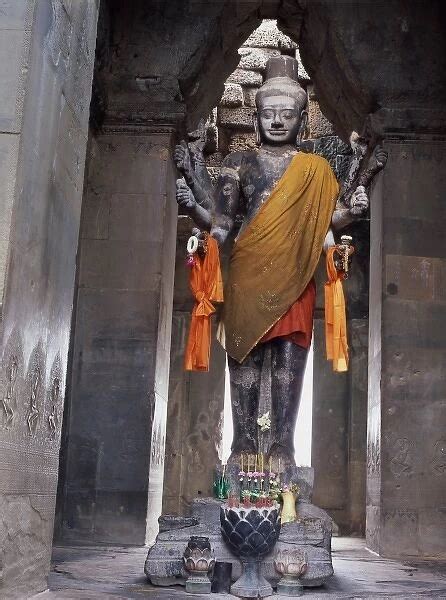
319, 161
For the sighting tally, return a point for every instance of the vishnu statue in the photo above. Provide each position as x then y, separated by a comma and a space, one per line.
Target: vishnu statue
290, 202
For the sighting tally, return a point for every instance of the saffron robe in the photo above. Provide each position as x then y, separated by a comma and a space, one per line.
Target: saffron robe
275, 257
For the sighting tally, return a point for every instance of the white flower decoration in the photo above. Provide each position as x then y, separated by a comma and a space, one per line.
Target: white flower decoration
264, 422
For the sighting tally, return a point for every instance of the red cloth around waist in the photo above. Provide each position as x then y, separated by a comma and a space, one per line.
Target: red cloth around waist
297, 323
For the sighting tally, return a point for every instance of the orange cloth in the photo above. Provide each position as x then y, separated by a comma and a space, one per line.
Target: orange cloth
206, 285
297, 323
335, 323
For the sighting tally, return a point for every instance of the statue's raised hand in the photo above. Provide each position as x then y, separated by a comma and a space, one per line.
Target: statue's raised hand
359, 202
181, 156
201, 236
184, 195
378, 159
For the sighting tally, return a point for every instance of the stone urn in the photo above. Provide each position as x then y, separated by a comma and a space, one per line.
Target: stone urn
291, 564
250, 533
198, 560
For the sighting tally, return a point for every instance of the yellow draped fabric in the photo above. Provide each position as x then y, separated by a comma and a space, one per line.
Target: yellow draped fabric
276, 255
206, 284
335, 323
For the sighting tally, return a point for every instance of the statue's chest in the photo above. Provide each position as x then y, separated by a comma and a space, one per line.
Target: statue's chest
258, 177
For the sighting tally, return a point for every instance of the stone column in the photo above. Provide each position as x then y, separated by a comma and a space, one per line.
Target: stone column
47, 54
115, 428
406, 479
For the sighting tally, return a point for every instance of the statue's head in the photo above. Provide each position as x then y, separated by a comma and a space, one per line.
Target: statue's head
281, 103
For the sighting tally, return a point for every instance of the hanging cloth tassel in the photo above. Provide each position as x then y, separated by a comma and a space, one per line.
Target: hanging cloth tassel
206, 284
335, 321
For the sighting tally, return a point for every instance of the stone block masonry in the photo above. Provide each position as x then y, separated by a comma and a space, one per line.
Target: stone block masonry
46, 66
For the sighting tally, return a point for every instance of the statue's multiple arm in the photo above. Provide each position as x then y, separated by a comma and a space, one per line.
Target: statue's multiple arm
199, 189
200, 216
353, 201
227, 197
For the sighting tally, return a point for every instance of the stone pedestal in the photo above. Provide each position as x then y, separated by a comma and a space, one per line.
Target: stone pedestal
312, 533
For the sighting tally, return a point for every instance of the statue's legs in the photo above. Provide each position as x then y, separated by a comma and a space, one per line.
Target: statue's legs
288, 362
245, 393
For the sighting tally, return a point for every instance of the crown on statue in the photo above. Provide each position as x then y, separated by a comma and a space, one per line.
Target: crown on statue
281, 79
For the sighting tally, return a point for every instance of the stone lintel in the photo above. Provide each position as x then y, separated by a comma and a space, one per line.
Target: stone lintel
131, 128
408, 123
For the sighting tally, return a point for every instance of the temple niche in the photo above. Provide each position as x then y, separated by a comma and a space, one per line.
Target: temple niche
195, 410
101, 430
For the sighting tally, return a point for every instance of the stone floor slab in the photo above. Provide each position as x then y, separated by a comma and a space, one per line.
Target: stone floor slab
100, 573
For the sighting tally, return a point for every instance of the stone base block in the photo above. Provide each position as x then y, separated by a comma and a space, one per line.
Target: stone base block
290, 588
198, 585
312, 533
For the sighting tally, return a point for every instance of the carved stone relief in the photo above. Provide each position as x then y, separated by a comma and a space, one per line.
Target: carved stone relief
9, 400
53, 417
401, 462
438, 463
32, 416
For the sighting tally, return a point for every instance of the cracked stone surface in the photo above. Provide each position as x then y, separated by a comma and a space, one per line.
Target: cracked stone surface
99, 573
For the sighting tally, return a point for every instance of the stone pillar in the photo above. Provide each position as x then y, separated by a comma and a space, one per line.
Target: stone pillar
115, 426
406, 479
329, 456
46, 63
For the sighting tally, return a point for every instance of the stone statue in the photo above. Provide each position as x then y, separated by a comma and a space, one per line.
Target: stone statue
246, 182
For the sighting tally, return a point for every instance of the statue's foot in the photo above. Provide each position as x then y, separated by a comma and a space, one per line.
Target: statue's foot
281, 457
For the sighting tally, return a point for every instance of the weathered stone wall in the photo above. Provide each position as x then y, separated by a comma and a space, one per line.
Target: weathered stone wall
46, 66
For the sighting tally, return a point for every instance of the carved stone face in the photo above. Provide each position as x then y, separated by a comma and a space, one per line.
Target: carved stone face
279, 119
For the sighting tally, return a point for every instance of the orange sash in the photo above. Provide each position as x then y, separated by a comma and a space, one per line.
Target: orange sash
335, 323
206, 285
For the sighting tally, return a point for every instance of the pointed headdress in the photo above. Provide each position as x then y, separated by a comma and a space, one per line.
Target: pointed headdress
281, 79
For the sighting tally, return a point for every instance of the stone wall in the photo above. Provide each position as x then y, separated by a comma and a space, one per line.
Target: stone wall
46, 65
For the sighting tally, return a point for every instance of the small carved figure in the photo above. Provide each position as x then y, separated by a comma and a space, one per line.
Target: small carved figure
439, 461
11, 373
33, 411
53, 417
400, 464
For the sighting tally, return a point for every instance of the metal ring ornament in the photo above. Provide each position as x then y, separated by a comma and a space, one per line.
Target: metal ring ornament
192, 244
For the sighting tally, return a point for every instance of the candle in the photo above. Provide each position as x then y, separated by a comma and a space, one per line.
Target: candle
248, 464
270, 464
241, 458
279, 466
255, 463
